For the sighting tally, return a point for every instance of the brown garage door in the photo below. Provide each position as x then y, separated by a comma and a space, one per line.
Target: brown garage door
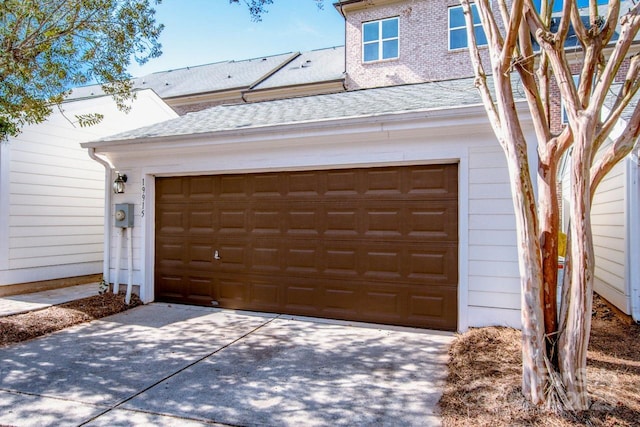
375, 245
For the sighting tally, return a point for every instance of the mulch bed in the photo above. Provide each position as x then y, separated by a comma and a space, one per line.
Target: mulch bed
484, 381
22, 327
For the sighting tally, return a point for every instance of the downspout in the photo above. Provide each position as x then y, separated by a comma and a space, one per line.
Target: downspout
107, 212
344, 82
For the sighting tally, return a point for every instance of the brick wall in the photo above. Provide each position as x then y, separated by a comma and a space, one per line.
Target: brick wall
424, 53
556, 100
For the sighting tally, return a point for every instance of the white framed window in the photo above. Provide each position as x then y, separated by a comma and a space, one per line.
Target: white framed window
381, 40
557, 4
458, 28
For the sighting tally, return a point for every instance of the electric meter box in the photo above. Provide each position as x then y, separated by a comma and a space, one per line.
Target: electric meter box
124, 215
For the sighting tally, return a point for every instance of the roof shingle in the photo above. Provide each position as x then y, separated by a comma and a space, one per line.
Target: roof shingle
361, 103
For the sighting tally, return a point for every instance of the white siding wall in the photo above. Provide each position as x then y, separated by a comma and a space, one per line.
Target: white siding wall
494, 278
55, 216
608, 217
55, 202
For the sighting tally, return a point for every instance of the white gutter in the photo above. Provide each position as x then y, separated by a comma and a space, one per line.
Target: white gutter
440, 117
108, 167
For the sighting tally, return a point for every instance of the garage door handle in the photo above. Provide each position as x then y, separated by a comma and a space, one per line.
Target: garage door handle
216, 255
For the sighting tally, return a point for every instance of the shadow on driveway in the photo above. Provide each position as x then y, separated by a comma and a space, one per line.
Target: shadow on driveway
166, 364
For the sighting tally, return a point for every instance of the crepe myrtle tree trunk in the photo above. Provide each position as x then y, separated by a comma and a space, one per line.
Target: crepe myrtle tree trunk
555, 345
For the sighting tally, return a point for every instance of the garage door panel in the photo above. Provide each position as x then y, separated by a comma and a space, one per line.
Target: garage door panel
304, 184
171, 285
266, 257
339, 299
436, 309
300, 297
377, 245
200, 289
266, 185
234, 186
433, 181
342, 183
232, 293
173, 251
200, 253
436, 266
266, 221
265, 295
381, 303
232, 221
172, 189
200, 187
383, 264
436, 222
302, 260
383, 182
171, 220
342, 222
307, 221
382, 223
202, 221
232, 256
341, 261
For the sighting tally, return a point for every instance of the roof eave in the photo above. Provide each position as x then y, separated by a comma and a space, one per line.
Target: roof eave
437, 118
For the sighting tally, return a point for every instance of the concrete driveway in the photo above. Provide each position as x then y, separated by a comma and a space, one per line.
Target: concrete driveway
166, 364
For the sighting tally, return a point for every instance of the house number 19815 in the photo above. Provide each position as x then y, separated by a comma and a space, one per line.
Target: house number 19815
143, 196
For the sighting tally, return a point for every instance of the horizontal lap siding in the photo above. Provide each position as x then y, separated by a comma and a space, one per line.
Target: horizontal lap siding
494, 279
56, 213
55, 217
609, 238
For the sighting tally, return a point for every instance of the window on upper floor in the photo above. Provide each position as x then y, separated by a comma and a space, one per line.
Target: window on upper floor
557, 4
458, 28
380, 40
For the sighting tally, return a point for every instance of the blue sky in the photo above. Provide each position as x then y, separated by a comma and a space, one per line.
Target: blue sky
205, 31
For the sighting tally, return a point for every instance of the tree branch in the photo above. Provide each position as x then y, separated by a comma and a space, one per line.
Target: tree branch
630, 24
513, 29
481, 76
617, 151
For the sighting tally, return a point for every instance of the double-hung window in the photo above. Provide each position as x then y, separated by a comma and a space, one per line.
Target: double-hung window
458, 28
380, 40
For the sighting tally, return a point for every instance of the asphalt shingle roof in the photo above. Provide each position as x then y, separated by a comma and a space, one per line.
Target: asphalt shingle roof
186, 81
310, 67
287, 69
361, 103
212, 77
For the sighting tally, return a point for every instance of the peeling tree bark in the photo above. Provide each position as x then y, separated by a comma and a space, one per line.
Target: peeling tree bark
538, 220
574, 339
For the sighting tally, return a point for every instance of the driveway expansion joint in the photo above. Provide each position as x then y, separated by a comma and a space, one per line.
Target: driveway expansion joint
184, 368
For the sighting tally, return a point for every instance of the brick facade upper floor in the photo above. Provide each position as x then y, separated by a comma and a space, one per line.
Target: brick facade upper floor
423, 52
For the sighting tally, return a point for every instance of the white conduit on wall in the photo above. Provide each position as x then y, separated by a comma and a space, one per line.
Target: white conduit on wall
116, 283
127, 298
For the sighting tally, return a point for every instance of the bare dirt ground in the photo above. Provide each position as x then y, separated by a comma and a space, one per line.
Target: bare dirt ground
21, 327
483, 387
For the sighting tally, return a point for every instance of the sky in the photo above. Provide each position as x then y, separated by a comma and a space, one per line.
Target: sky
206, 31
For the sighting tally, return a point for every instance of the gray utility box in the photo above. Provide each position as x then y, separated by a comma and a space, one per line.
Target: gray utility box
124, 215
